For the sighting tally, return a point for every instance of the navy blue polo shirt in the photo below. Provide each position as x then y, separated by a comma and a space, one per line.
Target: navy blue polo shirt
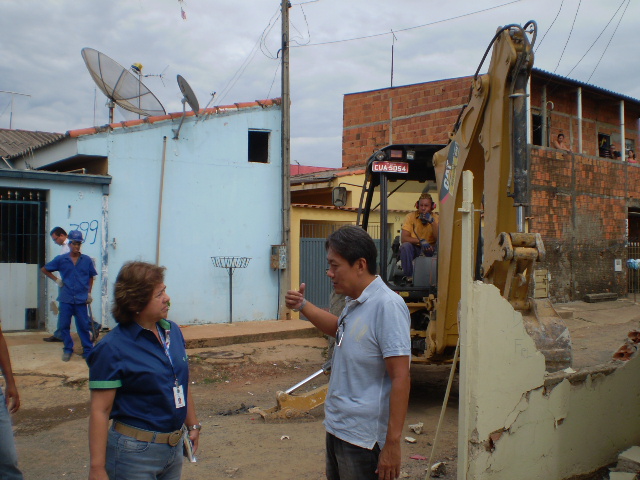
75, 277
131, 360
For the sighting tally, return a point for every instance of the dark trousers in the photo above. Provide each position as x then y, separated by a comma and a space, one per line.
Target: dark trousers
346, 461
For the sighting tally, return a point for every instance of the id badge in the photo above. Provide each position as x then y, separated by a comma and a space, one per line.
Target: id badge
178, 396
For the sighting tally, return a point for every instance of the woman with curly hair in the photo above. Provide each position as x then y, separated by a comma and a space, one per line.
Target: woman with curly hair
139, 378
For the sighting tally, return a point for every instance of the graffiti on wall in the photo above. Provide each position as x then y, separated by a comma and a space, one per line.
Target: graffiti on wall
89, 230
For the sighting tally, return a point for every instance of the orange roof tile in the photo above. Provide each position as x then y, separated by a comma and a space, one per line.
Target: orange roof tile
161, 118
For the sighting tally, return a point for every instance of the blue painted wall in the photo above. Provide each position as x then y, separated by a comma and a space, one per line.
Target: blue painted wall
214, 203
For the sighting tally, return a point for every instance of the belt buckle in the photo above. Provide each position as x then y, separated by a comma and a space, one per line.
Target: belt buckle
174, 438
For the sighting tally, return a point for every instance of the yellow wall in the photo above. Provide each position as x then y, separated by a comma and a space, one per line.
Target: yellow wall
399, 204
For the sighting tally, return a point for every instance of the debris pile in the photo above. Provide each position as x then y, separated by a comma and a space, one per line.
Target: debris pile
629, 348
628, 466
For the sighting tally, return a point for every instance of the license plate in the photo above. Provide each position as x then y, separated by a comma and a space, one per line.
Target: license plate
390, 167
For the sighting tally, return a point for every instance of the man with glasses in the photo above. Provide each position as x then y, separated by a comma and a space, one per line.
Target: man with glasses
368, 394
75, 282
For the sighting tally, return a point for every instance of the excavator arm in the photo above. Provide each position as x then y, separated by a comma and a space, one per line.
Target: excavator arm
490, 140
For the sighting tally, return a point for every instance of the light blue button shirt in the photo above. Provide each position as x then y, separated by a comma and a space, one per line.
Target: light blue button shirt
376, 326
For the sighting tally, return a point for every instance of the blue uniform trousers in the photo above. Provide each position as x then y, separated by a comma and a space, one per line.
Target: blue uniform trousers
83, 326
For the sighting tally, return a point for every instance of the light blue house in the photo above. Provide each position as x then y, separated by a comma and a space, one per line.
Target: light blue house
213, 190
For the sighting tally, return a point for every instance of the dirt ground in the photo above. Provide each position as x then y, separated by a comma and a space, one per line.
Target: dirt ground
51, 427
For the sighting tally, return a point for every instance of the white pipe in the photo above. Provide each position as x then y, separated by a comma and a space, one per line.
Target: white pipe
579, 120
164, 158
623, 143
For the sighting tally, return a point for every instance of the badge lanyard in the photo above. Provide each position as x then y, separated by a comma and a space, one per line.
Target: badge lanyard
178, 391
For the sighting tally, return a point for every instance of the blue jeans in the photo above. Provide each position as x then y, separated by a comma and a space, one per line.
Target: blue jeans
131, 459
83, 326
8, 455
346, 461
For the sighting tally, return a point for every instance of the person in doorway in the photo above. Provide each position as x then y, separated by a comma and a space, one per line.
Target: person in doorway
139, 378
9, 403
76, 281
419, 234
368, 393
59, 236
560, 143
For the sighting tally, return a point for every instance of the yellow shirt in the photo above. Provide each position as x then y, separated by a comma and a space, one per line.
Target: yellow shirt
417, 230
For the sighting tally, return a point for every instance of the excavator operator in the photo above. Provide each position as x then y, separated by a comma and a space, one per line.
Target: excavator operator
419, 234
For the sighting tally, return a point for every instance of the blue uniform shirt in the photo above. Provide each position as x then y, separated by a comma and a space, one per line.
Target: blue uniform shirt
131, 360
75, 277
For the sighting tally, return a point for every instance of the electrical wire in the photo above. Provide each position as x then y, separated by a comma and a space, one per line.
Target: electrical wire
550, 26
609, 43
273, 80
292, 39
597, 38
569, 37
236, 76
408, 28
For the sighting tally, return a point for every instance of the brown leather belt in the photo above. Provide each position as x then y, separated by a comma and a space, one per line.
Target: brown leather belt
172, 438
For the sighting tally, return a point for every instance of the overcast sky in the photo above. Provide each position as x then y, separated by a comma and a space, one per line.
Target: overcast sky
218, 49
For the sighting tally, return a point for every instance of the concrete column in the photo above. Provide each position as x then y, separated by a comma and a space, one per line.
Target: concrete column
579, 120
623, 150
466, 337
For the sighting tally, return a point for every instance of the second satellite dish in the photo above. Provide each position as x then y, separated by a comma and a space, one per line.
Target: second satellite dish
120, 85
187, 97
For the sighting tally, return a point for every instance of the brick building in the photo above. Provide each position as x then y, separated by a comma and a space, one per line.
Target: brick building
585, 203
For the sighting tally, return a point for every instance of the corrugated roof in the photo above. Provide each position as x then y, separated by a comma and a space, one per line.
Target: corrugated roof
14, 143
325, 175
577, 83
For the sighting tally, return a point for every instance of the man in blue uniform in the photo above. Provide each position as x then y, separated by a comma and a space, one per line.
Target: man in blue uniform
76, 272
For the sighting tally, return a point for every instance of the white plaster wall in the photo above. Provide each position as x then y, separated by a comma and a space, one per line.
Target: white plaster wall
70, 206
567, 430
214, 203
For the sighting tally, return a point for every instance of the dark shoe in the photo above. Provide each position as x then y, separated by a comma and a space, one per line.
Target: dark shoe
66, 356
51, 339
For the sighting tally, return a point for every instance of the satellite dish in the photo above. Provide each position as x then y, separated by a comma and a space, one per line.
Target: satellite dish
187, 97
120, 86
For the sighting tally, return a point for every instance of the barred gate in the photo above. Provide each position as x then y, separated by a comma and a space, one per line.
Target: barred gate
633, 275
313, 259
22, 253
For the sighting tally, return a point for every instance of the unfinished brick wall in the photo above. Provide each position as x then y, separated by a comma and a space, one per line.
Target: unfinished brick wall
420, 113
579, 206
600, 114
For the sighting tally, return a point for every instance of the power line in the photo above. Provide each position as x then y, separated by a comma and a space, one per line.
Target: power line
569, 37
408, 28
550, 26
597, 38
609, 43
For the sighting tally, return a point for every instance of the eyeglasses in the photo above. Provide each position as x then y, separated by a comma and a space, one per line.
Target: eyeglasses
340, 332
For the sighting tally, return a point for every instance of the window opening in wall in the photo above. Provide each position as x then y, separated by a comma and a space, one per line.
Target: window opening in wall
629, 144
604, 145
536, 137
259, 146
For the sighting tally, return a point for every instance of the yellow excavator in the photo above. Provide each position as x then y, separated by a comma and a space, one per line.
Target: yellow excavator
489, 138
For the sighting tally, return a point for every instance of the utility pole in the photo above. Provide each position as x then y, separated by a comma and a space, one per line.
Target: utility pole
285, 274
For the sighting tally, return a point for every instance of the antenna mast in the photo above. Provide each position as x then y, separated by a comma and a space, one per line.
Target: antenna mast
12, 95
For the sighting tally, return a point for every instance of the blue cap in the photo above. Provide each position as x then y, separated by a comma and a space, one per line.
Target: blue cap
75, 236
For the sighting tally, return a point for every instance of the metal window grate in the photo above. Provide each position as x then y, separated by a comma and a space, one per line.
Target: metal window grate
22, 231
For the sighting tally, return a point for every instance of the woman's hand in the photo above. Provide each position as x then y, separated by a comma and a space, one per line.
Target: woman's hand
194, 436
98, 473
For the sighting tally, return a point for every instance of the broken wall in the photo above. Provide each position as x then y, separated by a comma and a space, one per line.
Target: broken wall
516, 421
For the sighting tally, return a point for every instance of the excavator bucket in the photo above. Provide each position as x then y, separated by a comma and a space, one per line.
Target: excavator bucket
297, 407
511, 258
550, 334
293, 407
